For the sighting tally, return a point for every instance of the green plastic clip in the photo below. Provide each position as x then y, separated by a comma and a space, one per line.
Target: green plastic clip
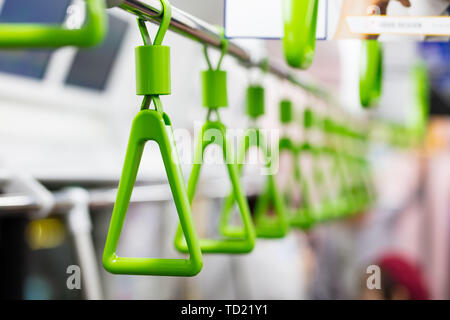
286, 111
242, 240
152, 125
371, 73
266, 226
300, 22
255, 101
26, 35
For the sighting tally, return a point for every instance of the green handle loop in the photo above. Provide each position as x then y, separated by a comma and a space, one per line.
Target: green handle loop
266, 226
297, 217
26, 35
152, 125
243, 240
371, 73
325, 209
300, 22
224, 49
214, 86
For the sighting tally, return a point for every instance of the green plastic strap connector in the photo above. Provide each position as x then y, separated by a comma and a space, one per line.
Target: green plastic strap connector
214, 84
242, 240
214, 81
297, 217
255, 101
300, 22
266, 226
27, 35
152, 70
308, 118
153, 60
286, 113
152, 125
371, 73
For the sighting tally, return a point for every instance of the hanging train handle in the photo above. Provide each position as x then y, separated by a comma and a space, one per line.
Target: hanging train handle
302, 217
300, 22
266, 227
312, 212
214, 86
344, 201
26, 35
345, 197
152, 80
371, 73
297, 217
327, 206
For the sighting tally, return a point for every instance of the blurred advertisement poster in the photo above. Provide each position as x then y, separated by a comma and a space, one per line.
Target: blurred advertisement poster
398, 20
391, 19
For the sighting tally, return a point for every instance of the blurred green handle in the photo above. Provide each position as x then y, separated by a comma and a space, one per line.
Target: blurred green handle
19, 35
300, 22
371, 73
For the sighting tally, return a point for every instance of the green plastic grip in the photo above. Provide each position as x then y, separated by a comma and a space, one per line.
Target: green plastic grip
371, 73
26, 35
266, 226
286, 113
255, 101
300, 22
214, 88
153, 70
150, 125
243, 240
308, 118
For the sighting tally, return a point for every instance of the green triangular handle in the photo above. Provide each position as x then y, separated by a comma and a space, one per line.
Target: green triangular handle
150, 125
346, 197
27, 35
214, 132
265, 226
271, 227
304, 217
326, 209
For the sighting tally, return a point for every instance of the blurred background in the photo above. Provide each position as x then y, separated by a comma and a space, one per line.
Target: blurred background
65, 117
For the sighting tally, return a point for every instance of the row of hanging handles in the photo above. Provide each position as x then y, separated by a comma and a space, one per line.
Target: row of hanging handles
153, 124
